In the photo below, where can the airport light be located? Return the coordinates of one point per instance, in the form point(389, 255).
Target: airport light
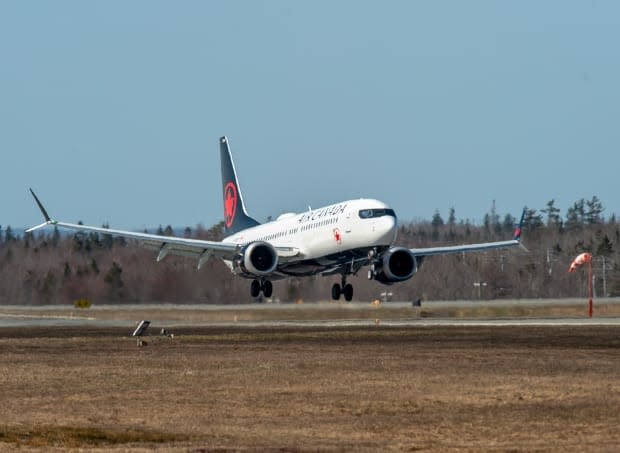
point(479, 285)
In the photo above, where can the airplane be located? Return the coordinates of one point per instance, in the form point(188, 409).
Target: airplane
point(339, 239)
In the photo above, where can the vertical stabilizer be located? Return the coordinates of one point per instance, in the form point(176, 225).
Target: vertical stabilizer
point(236, 217)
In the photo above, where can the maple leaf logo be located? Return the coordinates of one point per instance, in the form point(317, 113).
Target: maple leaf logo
point(230, 203)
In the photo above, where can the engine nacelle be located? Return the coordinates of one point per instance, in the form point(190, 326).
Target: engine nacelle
point(258, 259)
point(396, 265)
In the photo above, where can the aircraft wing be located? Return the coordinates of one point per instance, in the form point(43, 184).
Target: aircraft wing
point(444, 250)
point(194, 248)
point(464, 248)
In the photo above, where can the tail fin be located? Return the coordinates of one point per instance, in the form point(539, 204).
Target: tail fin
point(236, 217)
point(517, 234)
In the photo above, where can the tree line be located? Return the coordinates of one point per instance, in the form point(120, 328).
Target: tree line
point(54, 268)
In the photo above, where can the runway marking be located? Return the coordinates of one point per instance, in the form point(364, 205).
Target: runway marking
point(283, 316)
point(425, 323)
point(71, 317)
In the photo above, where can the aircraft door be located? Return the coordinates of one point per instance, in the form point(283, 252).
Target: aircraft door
point(348, 222)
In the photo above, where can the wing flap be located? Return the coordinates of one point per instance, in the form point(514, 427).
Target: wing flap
point(164, 249)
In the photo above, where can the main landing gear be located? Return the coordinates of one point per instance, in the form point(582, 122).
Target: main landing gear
point(345, 289)
point(261, 285)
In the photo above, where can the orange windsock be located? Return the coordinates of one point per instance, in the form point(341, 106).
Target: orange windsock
point(581, 259)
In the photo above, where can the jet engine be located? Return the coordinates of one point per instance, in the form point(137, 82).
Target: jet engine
point(396, 265)
point(258, 259)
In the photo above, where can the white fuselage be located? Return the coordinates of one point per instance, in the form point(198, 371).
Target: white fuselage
point(326, 232)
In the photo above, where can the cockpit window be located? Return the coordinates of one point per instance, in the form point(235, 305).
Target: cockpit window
point(372, 213)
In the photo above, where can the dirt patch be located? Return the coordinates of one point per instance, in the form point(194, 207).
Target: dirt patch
point(367, 388)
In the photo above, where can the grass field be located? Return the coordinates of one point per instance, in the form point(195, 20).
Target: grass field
point(311, 389)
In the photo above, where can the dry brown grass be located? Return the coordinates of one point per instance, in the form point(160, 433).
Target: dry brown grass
point(47, 436)
point(374, 388)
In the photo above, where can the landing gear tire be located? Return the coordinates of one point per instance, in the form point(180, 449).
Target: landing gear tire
point(255, 288)
point(345, 290)
point(348, 292)
point(267, 288)
point(336, 291)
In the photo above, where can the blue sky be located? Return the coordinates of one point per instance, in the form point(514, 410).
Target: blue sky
point(112, 110)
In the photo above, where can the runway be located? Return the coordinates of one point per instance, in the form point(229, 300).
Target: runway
point(564, 312)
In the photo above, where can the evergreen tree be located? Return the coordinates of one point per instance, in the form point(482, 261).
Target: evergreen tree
point(437, 220)
point(594, 212)
point(107, 240)
point(55, 237)
point(81, 241)
point(509, 223)
point(27, 239)
point(553, 214)
point(216, 232)
point(114, 281)
point(94, 267)
point(452, 217)
point(94, 240)
point(494, 217)
point(8, 256)
point(605, 246)
point(8, 234)
point(48, 287)
point(486, 221)
point(532, 220)
point(575, 214)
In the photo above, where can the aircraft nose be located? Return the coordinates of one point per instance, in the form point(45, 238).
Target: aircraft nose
point(385, 229)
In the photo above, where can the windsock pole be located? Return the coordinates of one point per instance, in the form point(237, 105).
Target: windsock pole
point(581, 259)
point(590, 308)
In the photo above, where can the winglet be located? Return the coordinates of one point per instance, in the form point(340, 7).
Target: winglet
point(48, 220)
point(517, 234)
point(43, 211)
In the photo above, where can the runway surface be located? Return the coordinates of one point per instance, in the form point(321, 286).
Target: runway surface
point(565, 312)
